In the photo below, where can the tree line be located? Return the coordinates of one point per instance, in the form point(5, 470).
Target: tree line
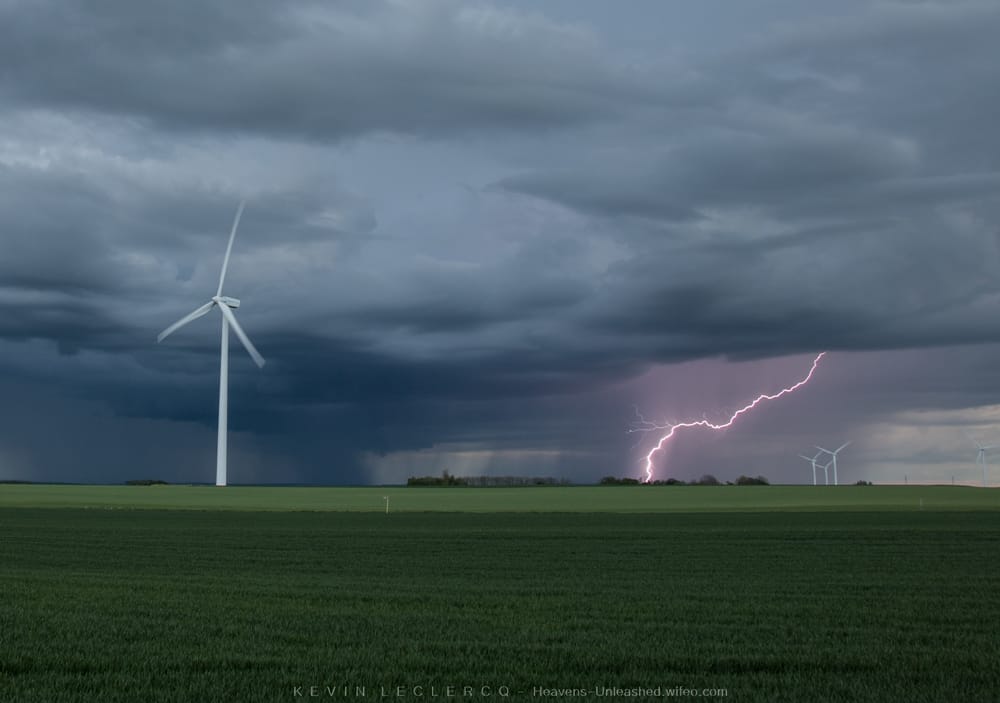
point(446, 479)
point(706, 480)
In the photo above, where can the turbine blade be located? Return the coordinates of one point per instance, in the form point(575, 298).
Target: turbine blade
point(807, 458)
point(972, 439)
point(843, 445)
point(229, 247)
point(822, 450)
point(247, 344)
point(200, 312)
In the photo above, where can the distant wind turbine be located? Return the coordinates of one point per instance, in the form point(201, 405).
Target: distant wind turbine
point(812, 460)
point(981, 455)
point(226, 305)
point(833, 459)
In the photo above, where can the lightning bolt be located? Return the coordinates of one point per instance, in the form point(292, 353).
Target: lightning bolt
point(643, 425)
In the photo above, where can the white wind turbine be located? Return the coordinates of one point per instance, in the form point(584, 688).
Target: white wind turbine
point(812, 460)
point(833, 459)
point(226, 305)
point(981, 455)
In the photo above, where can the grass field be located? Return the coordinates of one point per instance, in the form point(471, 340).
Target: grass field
point(586, 499)
point(796, 605)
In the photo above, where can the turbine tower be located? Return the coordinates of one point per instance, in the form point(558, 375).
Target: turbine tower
point(226, 305)
point(826, 472)
point(833, 459)
point(812, 460)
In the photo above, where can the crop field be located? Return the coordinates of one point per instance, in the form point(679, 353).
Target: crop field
point(580, 499)
point(895, 603)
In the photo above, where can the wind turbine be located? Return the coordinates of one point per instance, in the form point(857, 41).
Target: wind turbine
point(833, 460)
point(812, 460)
point(981, 455)
point(225, 305)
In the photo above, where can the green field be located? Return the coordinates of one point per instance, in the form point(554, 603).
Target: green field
point(585, 499)
point(877, 600)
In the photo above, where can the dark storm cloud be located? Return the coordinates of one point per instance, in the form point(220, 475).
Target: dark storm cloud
point(878, 285)
point(85, 255)
point(734, 170)
point(919, 69)
point(321, 70)
point(474, 300)
point(30, 224)
point(827, 218)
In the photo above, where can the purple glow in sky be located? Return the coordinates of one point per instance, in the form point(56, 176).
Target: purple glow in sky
point(667, 430)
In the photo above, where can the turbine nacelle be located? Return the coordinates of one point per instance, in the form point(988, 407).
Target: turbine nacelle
point(233, 303)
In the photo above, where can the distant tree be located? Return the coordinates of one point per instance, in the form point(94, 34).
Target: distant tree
point(863, 483)
point(145, 482)
point(751, 481)
point(708, 480)
point(445, 479)
point(507, 481)
point(614, 481)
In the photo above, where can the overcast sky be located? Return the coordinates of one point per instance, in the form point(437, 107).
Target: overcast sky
point(480, 235)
